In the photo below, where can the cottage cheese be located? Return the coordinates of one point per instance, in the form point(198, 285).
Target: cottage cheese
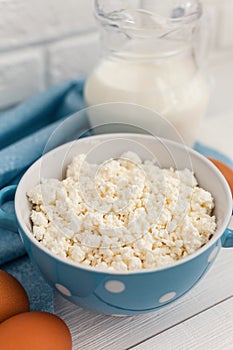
point(122, 215)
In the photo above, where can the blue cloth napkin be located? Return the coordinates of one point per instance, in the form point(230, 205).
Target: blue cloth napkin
point(24, 132)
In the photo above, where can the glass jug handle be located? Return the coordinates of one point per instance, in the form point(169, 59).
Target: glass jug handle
point(202, 45)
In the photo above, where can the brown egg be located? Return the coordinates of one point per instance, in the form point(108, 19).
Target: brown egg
point(13, 298)
point(225, 170)
point(35, 331)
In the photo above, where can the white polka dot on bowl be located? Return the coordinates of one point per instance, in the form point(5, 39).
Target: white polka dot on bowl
point(213, 254)
point(63, 289)
point(166, 297)
point(114, 286)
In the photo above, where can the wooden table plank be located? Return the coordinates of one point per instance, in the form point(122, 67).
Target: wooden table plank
point(99, 332)
point(212, 329)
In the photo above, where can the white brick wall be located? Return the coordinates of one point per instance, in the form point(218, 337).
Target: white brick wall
point(74, 57)
point(21, 75)
point(48, 41)
point(36, 21)
point(42, 43)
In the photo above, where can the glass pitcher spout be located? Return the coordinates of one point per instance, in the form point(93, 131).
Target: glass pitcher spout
point(170, 26)
point(134, 13)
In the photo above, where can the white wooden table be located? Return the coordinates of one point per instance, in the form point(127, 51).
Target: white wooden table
point(201, 320)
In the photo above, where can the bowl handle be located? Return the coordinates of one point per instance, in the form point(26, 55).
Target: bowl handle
point(7, 221)
point(227, 238)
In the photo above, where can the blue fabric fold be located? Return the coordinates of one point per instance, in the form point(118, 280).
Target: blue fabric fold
point(24, 133)
point(39, 293)
point(32, 115)
point(25, 130)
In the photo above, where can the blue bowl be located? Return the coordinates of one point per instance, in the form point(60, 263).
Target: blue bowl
point(122, 293)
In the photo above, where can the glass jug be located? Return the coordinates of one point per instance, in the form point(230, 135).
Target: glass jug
point(150, 58)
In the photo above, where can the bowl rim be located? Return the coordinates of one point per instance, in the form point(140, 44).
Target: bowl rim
point(211, 242)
